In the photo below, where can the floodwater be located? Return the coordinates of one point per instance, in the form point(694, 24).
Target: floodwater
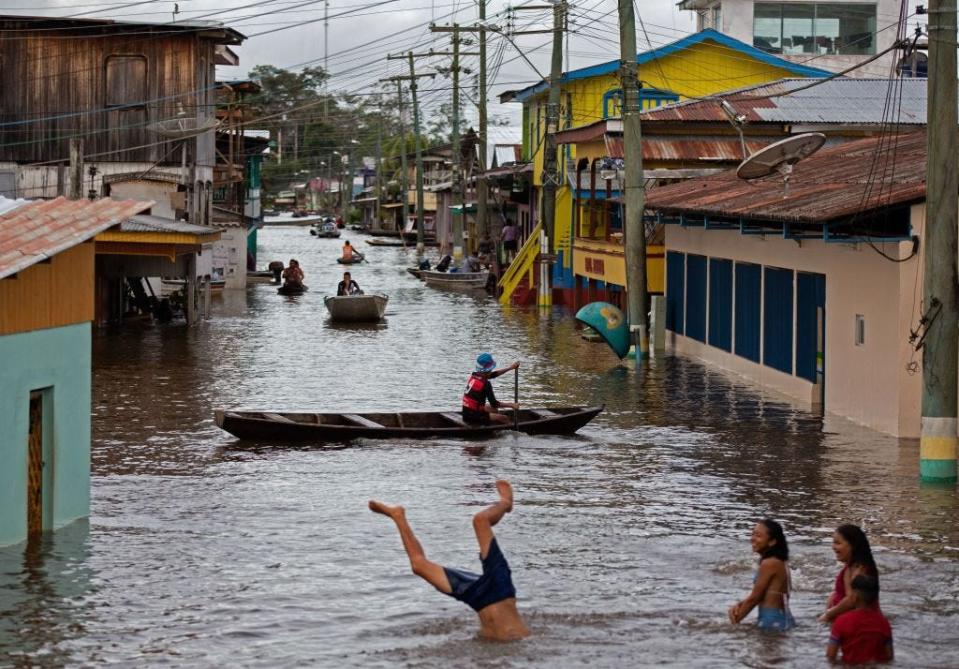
point(627, 543)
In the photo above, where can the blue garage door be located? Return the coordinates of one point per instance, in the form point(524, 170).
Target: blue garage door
point(778, 319)
point(810, 297)
point(675, 290)
point(748, 309)
point(696, 297)
point(721, 303)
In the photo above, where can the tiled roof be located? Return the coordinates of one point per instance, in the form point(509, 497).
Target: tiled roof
point(831, 101)
point(40, 229)
point(849, 178)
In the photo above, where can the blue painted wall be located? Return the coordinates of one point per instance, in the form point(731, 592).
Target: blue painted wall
point(57, 359)
point(675, 290)
point(748, 309)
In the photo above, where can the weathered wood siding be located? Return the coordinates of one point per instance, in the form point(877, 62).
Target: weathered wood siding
point(51, 294)
point(55, 75)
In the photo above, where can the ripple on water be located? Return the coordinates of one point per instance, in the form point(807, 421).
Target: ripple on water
point(627, 544)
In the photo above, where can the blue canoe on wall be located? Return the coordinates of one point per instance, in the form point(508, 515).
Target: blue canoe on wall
point(609, 322)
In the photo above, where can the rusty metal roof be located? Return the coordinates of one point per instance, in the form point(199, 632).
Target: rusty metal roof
point(687, 149)
point(40, 229)
point(848, 101)
point(849, 178)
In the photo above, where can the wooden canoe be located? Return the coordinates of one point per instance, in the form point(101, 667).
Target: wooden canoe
point(281, 426)
point(355, 260)
point(287, 289)
point(356, 308)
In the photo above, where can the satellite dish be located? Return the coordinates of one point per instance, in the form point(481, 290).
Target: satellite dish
point(779, 157)
point(179, 128)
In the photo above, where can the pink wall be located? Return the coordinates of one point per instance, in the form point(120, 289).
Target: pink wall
point(868, 384)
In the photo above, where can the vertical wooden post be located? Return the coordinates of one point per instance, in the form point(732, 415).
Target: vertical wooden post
point(76, 169)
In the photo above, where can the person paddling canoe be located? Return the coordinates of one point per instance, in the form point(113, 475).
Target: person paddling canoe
point(479, 391)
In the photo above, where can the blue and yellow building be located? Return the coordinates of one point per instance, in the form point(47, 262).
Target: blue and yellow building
point(588, 226)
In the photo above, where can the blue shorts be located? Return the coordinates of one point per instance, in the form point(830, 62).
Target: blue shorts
point(775, 620)
point(480, 590)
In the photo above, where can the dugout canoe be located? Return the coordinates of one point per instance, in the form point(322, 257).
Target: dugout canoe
point(281, 426)
point(355, 260)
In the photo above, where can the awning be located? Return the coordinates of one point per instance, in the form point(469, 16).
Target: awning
point(391, 205)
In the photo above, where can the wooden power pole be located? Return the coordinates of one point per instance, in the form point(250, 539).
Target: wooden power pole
point(938, 437)
point(635, 196)
point(76, 169)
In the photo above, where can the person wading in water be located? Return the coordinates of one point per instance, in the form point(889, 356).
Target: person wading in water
point(491, 594)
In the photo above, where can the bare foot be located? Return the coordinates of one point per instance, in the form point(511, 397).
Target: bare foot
point(505, 491)
point(393, 512)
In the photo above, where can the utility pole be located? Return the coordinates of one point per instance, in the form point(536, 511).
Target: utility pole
point(404, 177)
point(551, 174)
point(420, 224)
point(482, 186)
point(458, 184)
point(379, 171)
point(635, 196)
point(76, 169)
point(938, 437)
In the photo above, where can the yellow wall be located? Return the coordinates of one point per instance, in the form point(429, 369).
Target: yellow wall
point(605, 261)
point(697, 70)
point(51, 294)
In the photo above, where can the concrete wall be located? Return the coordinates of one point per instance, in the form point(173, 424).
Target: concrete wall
point(57, 359)
point(868, 384)
point(229, 255)
point(737, 20)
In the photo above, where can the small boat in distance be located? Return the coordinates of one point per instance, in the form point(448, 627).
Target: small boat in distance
point(285, 427)
point(356, 308)
point(385, 242)
point(355, 260)
point(455, 280)
point(292, 289)
point(327, 229)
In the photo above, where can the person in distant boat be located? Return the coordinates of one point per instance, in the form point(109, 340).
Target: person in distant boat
point(485, 249)
point(347, 251)
point(491, 594)
point(348, 286)
point(771, 584)
point(479, 392)
point(472, 264)
point(444, 263)
point(293, 275)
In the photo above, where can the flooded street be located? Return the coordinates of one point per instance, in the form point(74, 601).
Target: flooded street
point(628, 541)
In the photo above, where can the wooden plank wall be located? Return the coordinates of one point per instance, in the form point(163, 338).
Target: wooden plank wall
point(48, 75)
point(49, 294)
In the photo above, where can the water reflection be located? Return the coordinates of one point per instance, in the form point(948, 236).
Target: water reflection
point(628, 541)
point(44, 586)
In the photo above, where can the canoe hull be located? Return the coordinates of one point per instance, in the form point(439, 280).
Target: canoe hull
point(355, 260)
point(288, 427)
point(356, 308)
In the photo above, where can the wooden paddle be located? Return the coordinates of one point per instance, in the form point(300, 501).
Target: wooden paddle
point(516, 398)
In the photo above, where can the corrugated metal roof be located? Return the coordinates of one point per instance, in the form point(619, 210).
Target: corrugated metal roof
point(150, 223)
point(854, 177)
point(687, 149)
point(6, 204)
point(40, 229)
point(833, 101)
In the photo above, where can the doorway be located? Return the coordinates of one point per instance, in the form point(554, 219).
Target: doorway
point(39, 471)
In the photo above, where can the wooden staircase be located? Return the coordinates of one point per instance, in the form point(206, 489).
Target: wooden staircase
point(519, 277)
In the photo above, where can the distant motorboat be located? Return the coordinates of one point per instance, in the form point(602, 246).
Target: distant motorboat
point(455, 280)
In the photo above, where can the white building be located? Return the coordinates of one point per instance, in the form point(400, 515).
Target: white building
point(828, 35)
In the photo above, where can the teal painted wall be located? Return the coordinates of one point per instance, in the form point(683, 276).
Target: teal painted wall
point(57, 359)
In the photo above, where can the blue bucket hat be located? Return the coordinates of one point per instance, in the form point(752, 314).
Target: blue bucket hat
point(485, 363)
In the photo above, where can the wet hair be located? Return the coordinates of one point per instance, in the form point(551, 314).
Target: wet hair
point(780, 549)
point(867, 587)
point(346, 243)
point(861, 552)
point(347, 274)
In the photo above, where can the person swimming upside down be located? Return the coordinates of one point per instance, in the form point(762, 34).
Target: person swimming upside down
point(491, 594)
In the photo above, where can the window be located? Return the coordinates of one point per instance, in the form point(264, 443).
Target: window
point(126, 81)
point(860, 330)
point(815, 28)
point(718, 17)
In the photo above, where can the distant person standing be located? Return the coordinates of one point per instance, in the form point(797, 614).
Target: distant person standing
point(508, 237)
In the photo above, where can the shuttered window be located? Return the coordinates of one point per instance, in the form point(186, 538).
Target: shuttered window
point(675, 290)
point(696, 297)
point(126, 81)
point(721, 303)
point(778, 319)
point(810, 297)
point(748, 308)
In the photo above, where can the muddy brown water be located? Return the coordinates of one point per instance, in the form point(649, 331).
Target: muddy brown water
point(628, 541)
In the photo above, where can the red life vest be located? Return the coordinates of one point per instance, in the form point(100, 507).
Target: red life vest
point(474, 399)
